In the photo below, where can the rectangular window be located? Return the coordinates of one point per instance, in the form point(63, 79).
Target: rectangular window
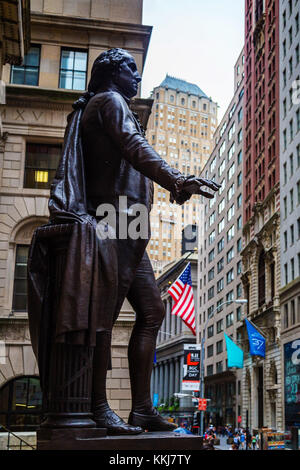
point(239, 291)
point(239, 314)
point(219, 367)
point(239, 267)
point(210, 350)
point(221, 225)
point(239, 201)
point(220, 285)
point(210, 331)
point(230, 276)
point(41, 162)
point(220, 265)
point(240, 156)
point(239, 245)
point(221, 245)
point(219, 347)
point(230, 234)
point(210, 370)
point(229, 320)
point(28, 73)
point(211, 255)
point(20, 279)
point(219, 305)
point(211, 274)
point(230, 255)
point(220, 326)
point(73, 67)
point(239, 222)
point(231, 151)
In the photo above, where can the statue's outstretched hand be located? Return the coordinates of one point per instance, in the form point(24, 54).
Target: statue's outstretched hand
point(187, 186)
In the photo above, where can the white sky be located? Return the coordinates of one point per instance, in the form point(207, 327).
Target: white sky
point(196, 40)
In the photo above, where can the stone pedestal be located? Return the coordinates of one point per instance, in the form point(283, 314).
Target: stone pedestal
point(95, 439)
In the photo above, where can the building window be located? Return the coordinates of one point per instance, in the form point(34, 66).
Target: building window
point(239, 267)
point(73, 65)
point(239, 314)
point(229, 320)
point(21, 404)
point(210, 350)
point(239, 245)
point(210, 370)
point(28, 73)
point(219, 347)
point(239, 291)
point(40, 165)
point(230, 276)
point(219, 367)
point(20, 279)
point(220, 285)
point(261, 279)
point(220, 265)
point(220, 326)
point(221, 244)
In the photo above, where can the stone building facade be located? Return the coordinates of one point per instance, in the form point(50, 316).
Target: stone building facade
point(289, 13)
point(66, 37)
point(220, 260)
point(262, 378)
point(180, 129)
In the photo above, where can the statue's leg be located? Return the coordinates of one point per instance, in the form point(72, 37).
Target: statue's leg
point(103, 415)
point(145, 299)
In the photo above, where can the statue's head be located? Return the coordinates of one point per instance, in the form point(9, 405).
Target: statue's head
point(115, 66)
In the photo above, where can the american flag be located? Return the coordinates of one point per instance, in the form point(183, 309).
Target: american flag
point(182, 292)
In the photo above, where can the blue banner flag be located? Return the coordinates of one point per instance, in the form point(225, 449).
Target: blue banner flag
point(155, 399)
point(235, 355)
point(256, 340)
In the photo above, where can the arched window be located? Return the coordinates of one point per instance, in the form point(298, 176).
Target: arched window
point(261, 279)
point(21, 404)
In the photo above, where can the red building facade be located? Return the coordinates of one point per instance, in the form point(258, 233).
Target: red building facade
point(261, 142)
point(261, 210)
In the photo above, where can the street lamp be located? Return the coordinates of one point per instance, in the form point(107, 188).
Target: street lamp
point(237, 301)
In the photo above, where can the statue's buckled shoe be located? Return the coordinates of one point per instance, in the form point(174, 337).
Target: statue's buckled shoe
point(151, 422)
point(114, 424)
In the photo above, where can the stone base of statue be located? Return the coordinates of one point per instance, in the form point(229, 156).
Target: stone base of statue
point(95, 439)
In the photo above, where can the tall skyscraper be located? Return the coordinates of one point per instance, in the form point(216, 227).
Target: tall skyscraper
point(261, 199)
point(289, 12)
point(220, 260)
point(180, 129)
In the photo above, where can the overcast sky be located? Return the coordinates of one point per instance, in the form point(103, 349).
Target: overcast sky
point(196, 40)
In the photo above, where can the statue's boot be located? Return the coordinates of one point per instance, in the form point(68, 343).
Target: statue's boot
point(140, 354)
point(104, 416)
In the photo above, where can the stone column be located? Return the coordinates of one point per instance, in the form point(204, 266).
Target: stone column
point(181, 371)
point(166, 380)
point(171, 381)
point(161, 382)
point(168, 321)
point(177, 376)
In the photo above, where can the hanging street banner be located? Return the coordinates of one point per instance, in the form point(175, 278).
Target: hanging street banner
point(235, 355)
point(191, 367)
point(257, 342)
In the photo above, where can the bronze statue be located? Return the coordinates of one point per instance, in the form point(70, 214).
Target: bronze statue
point(105, 157)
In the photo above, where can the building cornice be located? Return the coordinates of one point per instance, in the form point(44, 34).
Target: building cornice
point(94, 25)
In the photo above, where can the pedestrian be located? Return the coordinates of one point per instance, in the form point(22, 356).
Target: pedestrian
point(254, 442)
point(242, 440)
point(248, 439)
point(236, 441)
